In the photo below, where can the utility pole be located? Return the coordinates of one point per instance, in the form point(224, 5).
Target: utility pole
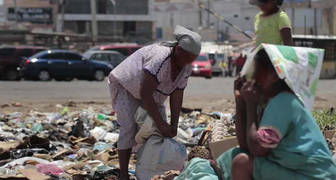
point(94, 26)
point(208, 20)
point(293, 19)
point(15, 15)
point(200, 16)
point(61, 5)
point(315, 17)
point(305, 25)
point(315, 22)
point(115, 22)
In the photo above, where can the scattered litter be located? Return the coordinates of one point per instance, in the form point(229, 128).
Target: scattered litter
point(49, 169)
point(76, 145)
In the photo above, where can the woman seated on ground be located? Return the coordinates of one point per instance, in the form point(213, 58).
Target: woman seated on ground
point(280, 141)
point(278, 137)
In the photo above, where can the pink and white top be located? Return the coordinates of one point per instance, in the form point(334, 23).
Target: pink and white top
point(156, 60)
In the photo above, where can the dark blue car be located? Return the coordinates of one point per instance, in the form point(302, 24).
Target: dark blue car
point(64, 65)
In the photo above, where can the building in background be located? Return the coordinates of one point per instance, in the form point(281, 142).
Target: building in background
point(169, 13)
point(126, 20)
point(30, 15)
point(316, 17)
point(312, 17)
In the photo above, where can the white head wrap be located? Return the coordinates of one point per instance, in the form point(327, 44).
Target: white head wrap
point(186, 39)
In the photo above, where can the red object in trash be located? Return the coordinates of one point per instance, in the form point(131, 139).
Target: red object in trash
point(49, 169)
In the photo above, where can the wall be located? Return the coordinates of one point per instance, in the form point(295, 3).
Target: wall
point(170, 13)
point(123, 7)
point(239, 12)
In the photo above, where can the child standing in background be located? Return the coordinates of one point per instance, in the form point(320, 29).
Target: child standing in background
point(272, 25)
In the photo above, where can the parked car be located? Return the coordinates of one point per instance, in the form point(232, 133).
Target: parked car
point(112, 57)
point(124, 49)
point(202, 66)
point(64, 65)
point(11, 58)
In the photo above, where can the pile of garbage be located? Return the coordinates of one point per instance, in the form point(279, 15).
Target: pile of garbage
point(81, 144)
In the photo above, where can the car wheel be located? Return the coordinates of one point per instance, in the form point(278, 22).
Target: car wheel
point(12, 75)
point(208, 77)
point(99, 75)
point(44, 75)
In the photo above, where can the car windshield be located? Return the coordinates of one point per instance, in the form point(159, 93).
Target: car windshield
point(202, 58)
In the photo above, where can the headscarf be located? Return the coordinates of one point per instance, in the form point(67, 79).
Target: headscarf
point(188, 40)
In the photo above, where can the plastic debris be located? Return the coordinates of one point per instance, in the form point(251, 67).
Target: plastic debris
point(49, 169)
point(37, 127)
point(72, 145)
point(100, 146)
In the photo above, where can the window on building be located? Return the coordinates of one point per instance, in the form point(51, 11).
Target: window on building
point(77, 7)
point(129, 28)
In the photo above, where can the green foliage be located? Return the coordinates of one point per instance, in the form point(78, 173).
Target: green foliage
point(325, 119)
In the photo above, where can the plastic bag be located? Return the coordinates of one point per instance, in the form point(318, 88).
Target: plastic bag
point(159, 155)
point(99, 133)
point(299, 67)
point(49, 169)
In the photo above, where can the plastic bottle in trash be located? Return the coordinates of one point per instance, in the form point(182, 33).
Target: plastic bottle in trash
point(84, 117)
point(102, 117)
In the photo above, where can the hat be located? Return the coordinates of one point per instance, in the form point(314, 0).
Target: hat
point(188, 40)
point(299, 67)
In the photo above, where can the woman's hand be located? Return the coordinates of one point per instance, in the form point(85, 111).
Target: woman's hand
point(167, 130)
point(148, 87)
point(250, 93)
point(238, 84)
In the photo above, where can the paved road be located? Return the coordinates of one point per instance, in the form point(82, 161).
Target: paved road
point(91, 90)
point(199, 91)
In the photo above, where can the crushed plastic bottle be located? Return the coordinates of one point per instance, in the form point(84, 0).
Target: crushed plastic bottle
point(37, 127)
point(84, 117)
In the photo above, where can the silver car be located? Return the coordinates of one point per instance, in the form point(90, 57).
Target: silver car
point(112, 57)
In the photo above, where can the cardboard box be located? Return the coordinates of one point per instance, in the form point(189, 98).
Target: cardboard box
point(219, 147)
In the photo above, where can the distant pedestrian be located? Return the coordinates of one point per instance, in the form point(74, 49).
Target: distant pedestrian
point(272, 25)
point(230, 66)
point(240, 61)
